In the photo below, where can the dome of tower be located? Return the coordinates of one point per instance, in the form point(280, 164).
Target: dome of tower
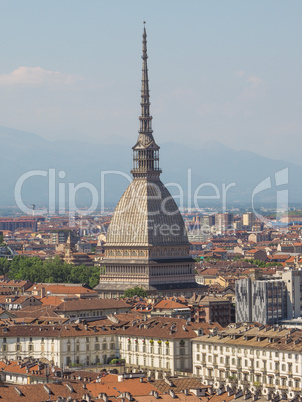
point(146, 215)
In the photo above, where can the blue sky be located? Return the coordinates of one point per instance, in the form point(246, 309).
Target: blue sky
point(227, 71)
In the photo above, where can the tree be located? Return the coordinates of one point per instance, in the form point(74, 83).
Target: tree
point(49, 271)
point(137, 291)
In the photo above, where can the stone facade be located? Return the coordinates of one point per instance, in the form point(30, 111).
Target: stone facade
point(147, 243)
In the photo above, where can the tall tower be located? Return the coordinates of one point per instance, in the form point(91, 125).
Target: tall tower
point(147, 243)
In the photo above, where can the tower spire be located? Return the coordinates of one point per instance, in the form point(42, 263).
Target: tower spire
point(145, 118)
point(145, 151)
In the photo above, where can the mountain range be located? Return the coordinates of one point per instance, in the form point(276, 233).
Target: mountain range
point(212, 163)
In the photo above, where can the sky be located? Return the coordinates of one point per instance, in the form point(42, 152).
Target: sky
point(223, 71)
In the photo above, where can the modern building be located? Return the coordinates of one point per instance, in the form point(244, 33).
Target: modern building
point(248, 220)
point(147, 243)
point(15, 223)
point(224, 223)
point(268, 301)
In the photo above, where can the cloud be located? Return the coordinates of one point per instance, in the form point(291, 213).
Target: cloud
point(255, 81)
point(252, 79)
point(36, 76)
point(239, 73)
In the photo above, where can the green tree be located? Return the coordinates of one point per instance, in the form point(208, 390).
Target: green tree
point(137, 291)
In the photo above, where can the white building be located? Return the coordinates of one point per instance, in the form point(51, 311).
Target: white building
point(158, 345)
point(250, 357)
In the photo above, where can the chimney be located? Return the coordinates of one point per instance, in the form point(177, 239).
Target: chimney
point(43, 292)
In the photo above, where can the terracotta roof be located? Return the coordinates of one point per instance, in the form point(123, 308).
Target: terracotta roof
point(168, 304)
point(91, 304)
point(52, 300)
point(61, 289)
point(110, 385)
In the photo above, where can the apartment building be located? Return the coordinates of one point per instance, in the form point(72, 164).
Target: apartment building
point(257, 358)
point(157, 345)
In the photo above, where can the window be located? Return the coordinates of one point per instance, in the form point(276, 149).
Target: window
point(97, 346)
point(197, 357)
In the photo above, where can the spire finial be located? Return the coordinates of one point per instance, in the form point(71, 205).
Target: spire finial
point(146, 151)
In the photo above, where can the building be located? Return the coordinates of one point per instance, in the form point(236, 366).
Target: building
point(171, 308)
point(216, 309)
point(91, 308)
point(157, 346)
point(248, 220)
point(224, 223)
point(13, 224)
point(147, 243)
point(255, 358)
point(268, 301)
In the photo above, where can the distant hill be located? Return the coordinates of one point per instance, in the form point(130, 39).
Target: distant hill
point(84, 162)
